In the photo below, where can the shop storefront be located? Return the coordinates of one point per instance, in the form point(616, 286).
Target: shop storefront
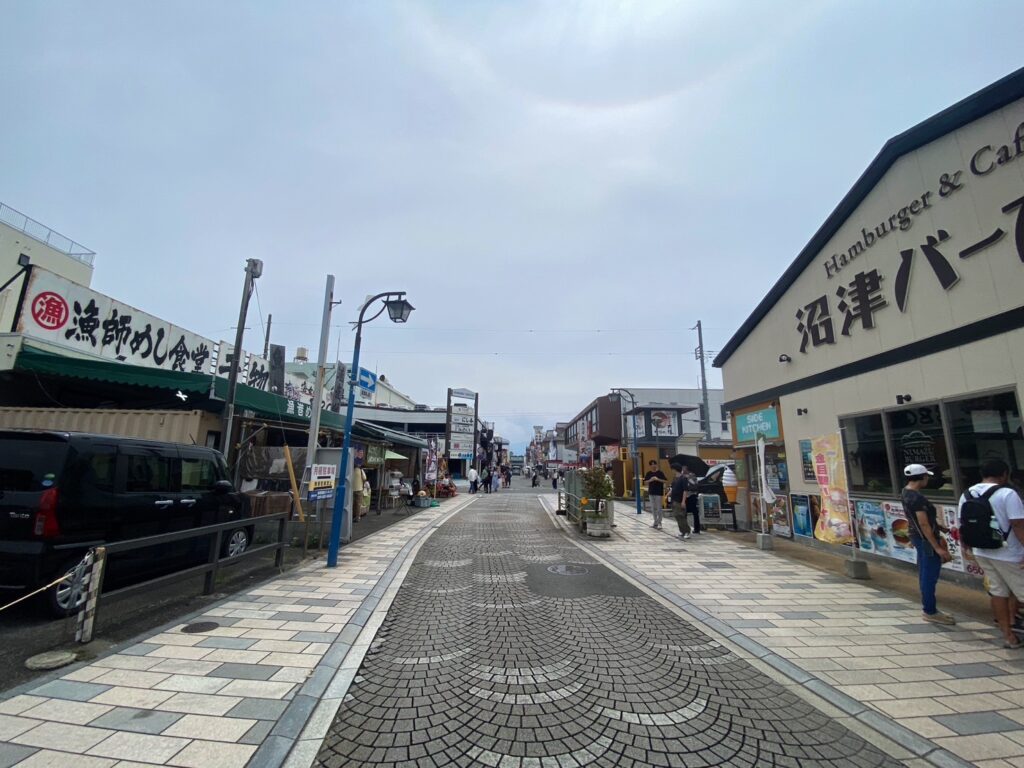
point(895, 337)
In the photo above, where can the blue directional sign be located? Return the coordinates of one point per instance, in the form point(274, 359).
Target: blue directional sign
point(367, 380)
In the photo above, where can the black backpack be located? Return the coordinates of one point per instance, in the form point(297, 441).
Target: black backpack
point(979, 526)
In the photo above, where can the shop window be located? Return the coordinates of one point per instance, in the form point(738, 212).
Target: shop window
point(983, 428)
point(867, 461)
point(917, 438)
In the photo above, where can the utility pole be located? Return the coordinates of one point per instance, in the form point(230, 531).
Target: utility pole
point(703, 382)
point(266, 338)
point(253, 269)
point(318, 386)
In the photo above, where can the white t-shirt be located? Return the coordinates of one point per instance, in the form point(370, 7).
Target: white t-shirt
point(1007, 506)
point(472, 475)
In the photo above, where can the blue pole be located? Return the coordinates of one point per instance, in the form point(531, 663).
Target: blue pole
point(346, 445)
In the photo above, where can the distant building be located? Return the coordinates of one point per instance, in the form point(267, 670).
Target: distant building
point(45, 248)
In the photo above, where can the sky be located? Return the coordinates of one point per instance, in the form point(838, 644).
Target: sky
point(563, 188)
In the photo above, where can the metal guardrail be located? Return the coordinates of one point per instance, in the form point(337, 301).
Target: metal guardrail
point(45, 235)
point(209, 569)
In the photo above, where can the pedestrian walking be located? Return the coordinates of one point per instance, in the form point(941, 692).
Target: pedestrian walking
point(535, 482)
point(1000, 554)
point(693, 500)
point(474, 478)
point(485, 479)
point(554, 482)
point(495, 480)
point(925, 533)
point(677, 494)
point(654, 481)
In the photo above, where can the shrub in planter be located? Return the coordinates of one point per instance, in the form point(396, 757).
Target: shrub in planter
point(597, 486)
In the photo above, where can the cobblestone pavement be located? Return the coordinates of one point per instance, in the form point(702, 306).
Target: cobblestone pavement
point(507, 645)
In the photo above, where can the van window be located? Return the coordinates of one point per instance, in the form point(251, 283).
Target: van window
point(197, 474)
point(100, 471)
point(148, 473)
point(30, 465)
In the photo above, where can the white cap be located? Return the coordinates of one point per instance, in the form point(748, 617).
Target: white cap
point(912, 470)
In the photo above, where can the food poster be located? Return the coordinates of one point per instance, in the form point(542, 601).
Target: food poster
point(757, 519)
point(815, 502)
point(963, 558)
point(898, 529)
point(872, 535)
point(834, 525)
point(781, 518)
point(801, 506)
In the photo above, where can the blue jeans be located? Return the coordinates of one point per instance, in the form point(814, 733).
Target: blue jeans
point(928, 566)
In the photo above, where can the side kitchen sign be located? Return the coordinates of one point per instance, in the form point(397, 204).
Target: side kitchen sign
point(69, 315)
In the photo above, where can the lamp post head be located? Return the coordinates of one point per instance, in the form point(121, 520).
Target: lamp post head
point(399, 309)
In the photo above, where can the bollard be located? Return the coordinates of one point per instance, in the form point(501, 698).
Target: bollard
point(95, 561)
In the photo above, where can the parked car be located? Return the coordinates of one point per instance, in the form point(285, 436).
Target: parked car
point(64, 492)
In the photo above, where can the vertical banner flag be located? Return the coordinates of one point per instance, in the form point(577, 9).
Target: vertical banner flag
point(834, 524)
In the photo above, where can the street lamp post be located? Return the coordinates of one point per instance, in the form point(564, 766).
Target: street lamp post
point(636, 454)
point(398, 310)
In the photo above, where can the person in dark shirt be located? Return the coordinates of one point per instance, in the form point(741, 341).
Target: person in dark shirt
point(925, 530)
point(655, 482)
point(679, 491)
point(692, 500)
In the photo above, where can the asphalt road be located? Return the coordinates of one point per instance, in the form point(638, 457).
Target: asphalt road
point(26, 629)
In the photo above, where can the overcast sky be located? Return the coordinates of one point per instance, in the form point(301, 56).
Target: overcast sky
point(564, 188)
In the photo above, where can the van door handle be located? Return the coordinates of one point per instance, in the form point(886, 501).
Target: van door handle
point(187, 502)
point(163, 503)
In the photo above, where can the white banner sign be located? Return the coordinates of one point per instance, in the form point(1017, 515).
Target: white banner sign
point(464, 429)
point(69, 315)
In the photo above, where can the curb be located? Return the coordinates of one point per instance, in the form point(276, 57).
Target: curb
point(920, 746)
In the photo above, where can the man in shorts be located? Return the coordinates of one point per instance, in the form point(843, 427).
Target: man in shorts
point(1003, 567)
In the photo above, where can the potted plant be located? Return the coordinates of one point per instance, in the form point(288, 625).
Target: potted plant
point(597, 494)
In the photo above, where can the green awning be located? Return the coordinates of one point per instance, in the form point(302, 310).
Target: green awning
point(39, 361)
point(391, 455)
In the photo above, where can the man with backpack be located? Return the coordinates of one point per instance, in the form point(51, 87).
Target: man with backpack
point(932, 551)
point(992, 524)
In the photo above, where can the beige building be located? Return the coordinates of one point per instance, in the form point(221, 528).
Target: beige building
point(46, 248)
point(897, 330)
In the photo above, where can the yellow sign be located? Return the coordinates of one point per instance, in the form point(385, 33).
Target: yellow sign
point(834, 524)
point(322, 476)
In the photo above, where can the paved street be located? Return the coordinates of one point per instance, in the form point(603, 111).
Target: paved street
point(467, 634)
point(508, 645)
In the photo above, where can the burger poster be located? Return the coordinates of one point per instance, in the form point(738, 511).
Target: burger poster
point(898, 529)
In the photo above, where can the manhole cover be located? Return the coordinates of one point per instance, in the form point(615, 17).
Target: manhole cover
point(568, 570)
point(50, 660)
point(199, 626)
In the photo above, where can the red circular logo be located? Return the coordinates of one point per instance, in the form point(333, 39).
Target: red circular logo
point(50, 310)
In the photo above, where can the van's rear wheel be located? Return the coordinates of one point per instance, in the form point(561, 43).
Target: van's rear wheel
point(67, 596)
point(236, 543)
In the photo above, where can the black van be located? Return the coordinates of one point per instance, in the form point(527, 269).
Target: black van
point(64, 492)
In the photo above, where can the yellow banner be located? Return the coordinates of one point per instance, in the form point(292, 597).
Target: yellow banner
point(834, 524)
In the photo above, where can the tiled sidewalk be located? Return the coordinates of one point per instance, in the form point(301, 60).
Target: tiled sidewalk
point(214, 699)
point(956, 686)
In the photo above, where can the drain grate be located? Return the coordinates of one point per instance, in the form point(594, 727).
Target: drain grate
point(568, 570)
point(199, 626)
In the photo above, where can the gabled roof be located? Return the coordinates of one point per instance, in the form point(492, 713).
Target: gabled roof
point(989, 99)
